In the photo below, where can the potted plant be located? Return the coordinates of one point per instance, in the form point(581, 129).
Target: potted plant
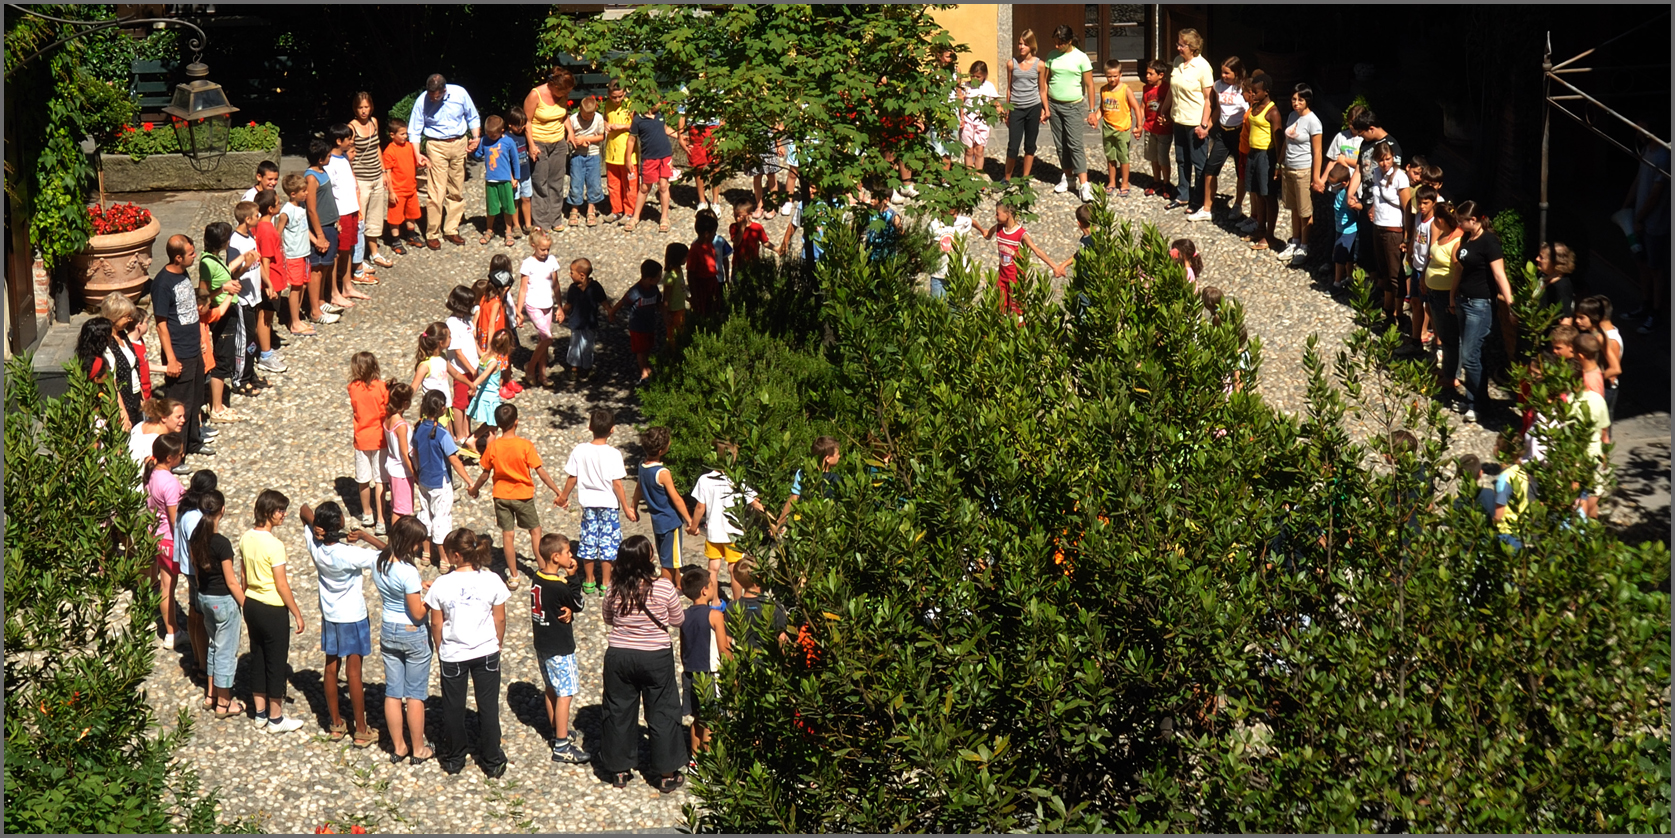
point(147, 158)
point(117, 259)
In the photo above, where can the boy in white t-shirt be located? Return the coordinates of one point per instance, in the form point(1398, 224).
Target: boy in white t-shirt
point(345, 630)
point(250, 296)
point(596, 471)
point(946, 234)
point(716, 496)
point(462, 360)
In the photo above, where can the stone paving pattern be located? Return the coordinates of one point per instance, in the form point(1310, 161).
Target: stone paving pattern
point(298, 440)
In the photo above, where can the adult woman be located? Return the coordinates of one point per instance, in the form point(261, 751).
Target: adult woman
point(1231, 108)
point(370, 181)
point(1069, 84)
point(267, 598)
point(639, 663)
point(1193, 96)
point(93, 350)
point(1481, 280)
point(162, 416)
point(1442, 272)
point(1388, 199)
point(402, 640)
point(127, 356)
point(549, 149)
point(1026, 77)
point(221, 597)
point(467, 626)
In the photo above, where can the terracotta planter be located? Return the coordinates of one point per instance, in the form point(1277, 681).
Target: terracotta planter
point(119, 263)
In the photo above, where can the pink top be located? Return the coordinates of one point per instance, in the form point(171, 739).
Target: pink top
point(1009, 242)
point(161, 492)
point(635, 630)
point(1594, 380)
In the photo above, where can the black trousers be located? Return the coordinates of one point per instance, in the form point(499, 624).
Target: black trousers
point(630, 675)
point(188, 389)
point(484, 673)
point(269, 627)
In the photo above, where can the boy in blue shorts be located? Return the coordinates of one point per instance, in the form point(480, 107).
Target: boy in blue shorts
point(596, 471)
point(555, 600)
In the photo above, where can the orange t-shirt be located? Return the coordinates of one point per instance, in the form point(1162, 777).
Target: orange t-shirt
point(368, 401)
point(491, 318)
point(513, 461)
point(402, 161)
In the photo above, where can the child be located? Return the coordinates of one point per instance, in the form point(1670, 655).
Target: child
point(1185, 254)
point(1345, 147)
point(1262, 166)
point(596, 471)
point(1084, 224)
point(485, 397)
point(1159, 127)
point(826, 452)
point(210, 555)
point(468, 627)
point(1344, 225)
point(674, 287)
point(348, 196)
point(490, 316)
point(978, 95)
point(747, 234)
point(946, 234)
point(1227, 136)
point(403, 642)
point(433, 451)
point(323, 219)
point(1300, 169)
point(1555, 262)
point(555, 599)
point(512, 461)
point(462, 356)
point(216, 275)
point(716, 496)
point(1586, 348)
point(1563, 340)
point(752, 605)
point(703, 645)
point(656, 485)
point(1120, 110)
point(267, 177)
point(621, 162)
point(1418, 256)
point(535, 302)
point(581, 313)
point(697, 138)
point(267, 596)
point(162, 497)
point(517, 127)
point(398, 457)
point(1593, 314)
point(1011, 236)
point(401, 166)
point(649, 136)
point(293, 225)
point(370, 400)
point(345, 630)
point(885, 229)
point(587, 140)
point(372, 185)
point(645, 302)
point(431, 371)
point(274, 282)
point(252, 295)
point(500, 179)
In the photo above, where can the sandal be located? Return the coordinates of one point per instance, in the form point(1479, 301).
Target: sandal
point(338, 730)
point(1259, 245)
point(415, 759)
point(508, 242)
point(368, 278)
point(620, 779)
point(484, 241)
point(233, 709)
point(630, 226)
point(1122, 193)
point(671, 784)
point(365, 740)
point(398, 248)
point(663, 228)
point(592, 220)
point(383, 261)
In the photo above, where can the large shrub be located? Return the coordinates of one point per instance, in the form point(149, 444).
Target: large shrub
point(82, 750)
point(1079, 582)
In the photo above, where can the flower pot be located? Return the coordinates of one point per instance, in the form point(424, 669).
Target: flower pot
point(119, 263)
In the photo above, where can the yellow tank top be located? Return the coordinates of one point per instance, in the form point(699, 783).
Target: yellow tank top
point(546, 124)
point(1439, 271)
point(1261, 133)
point(1114, 105)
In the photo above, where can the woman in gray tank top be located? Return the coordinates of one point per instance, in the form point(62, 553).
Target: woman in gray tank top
point(368, 167)
point(1026, 75)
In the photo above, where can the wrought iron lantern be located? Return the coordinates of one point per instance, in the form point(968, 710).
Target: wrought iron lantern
point(201, 118)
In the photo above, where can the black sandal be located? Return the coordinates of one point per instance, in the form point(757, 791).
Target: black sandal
point(671, 783)
point(620, 779)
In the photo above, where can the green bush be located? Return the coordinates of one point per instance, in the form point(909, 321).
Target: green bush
point(82, 754)
point(159, 138)
point(1509, 226)
point(1078, 583)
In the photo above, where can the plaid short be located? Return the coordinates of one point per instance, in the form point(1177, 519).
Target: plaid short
point(559, 671)
point(601, 534)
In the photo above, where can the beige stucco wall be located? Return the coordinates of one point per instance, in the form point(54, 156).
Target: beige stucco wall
point(975, 25)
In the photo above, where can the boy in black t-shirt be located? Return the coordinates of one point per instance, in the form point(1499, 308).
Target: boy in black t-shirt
point(554, 601)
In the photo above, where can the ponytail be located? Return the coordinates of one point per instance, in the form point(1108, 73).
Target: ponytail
point(1470, 209)
point(166, 447)
point(210, 506)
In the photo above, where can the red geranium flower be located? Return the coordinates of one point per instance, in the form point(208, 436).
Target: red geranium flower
point(148, 126)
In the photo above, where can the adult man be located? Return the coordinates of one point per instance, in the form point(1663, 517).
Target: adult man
point(175, 297)
point(446, 125)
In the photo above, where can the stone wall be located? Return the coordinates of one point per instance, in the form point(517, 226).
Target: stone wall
point(174, 173)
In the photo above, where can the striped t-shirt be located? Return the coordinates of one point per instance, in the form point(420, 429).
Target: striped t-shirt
point(635, 630)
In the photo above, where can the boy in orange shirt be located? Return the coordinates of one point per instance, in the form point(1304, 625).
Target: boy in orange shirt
point(401, 183)
point(513, 462)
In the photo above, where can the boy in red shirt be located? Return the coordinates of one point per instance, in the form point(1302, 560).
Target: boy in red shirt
point(512, 461)
point(1159, 131)
point(748, 234)
point(274, 283)
point(703, 277)
point(401, 183)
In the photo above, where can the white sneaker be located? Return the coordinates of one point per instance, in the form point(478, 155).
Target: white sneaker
point(1300, 253)
point(1470, 416)
point(1085, 193)
point(261, 722)
point(786, 208)
point(1286, 254)
point(331, 308)
point(674, 175)
point(910, 190)
point(285, 725)
point(168, 641)
point(1200, 215)
point(897, 198)
point(702, 205)
point(1064, 184)
point(366, 520)
point(327, 317)
point(273, 363)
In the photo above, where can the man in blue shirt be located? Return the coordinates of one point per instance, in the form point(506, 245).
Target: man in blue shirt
point(446, 125)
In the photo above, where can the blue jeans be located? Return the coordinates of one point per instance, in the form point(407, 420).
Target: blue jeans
point(360, 242)
point(1476, 318)
point(1190, 153)
point(221, 619)
point(407, 658)
point(584, 172)
point(938, 289)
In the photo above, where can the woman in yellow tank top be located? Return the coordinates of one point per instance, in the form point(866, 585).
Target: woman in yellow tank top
point(1441, 272)
point(546, 106)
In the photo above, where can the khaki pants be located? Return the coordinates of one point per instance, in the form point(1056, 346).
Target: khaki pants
point(374, 206)
point(445, 188)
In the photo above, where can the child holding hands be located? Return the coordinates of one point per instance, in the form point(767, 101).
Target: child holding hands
point(596, 468)
point(369, 398)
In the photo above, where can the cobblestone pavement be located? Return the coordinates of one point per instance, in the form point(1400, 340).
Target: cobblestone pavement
point(297, 440)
